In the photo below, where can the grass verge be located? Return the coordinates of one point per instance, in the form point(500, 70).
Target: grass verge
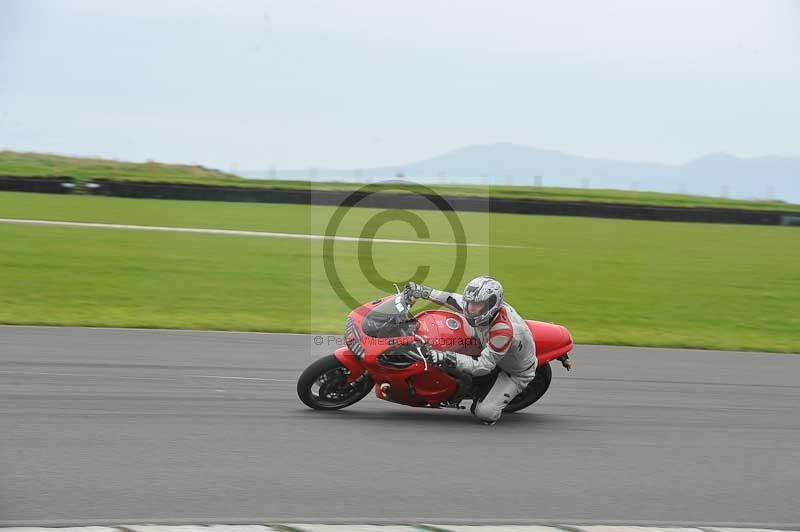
point(609, 281)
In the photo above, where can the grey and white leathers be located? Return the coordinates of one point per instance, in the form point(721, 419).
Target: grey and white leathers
point(506, 341)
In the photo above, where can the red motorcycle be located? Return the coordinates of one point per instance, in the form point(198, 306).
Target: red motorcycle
point(385, 349)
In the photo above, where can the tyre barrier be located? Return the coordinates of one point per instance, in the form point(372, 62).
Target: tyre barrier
point(47, 185)
point(384, 200)
point(390, 200)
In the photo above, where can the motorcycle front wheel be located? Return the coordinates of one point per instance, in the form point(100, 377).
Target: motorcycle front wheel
point(323, 385)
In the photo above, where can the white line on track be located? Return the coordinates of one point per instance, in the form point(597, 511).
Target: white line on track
point(232, 232)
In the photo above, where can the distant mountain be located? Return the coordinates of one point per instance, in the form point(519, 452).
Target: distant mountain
point(716, 174)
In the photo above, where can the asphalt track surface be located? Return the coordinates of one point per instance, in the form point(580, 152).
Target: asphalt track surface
point(167, 426)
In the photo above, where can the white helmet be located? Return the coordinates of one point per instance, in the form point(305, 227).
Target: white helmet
point(483, 297)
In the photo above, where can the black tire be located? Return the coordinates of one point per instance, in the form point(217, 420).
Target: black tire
point(534, 391)
point(335, 383)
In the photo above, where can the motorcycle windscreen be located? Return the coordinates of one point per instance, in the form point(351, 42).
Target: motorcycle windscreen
point(389, 319)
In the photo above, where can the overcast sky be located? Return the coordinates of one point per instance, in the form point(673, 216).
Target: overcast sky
point(252, 83)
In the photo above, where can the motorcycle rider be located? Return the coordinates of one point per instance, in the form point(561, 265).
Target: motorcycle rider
point(506, 340)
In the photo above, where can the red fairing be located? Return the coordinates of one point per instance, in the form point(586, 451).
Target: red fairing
point(552, 341)
point(413, 382)
point(448, 331)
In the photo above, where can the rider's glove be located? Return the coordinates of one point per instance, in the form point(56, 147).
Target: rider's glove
point(414, 291)
point(440, 358)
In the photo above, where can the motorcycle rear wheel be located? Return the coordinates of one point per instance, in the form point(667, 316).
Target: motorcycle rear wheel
point(323, 385)
point(534, 391)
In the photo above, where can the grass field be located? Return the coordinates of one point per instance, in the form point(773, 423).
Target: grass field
point(609, 281)
point(38, 164)
point(83, 168)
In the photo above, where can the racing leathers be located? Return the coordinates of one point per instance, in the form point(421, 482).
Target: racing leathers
point(507, 343)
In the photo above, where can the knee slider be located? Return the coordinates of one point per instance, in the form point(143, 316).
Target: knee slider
point(485, 412)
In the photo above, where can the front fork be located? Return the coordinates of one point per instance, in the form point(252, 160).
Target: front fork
point(353, 364)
